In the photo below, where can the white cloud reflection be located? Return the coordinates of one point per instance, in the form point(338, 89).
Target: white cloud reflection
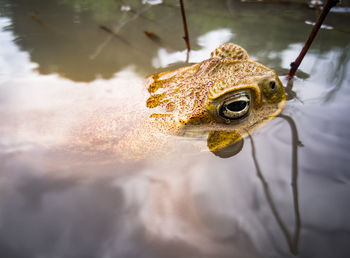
point(13, 62)
point(208, 42)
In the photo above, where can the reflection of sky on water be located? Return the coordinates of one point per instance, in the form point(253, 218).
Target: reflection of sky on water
point(13, 63)
point(327, 73)
point(207, 42)
point(183, 205)
point(29, 99)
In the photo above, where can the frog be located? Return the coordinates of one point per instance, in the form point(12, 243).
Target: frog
point(225, 97)
point(207, 106)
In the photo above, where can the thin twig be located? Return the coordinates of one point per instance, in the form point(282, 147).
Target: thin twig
point(295, 65)
point(186, 37)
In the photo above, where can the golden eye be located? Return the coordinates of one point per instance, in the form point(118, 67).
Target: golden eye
point(235, 107)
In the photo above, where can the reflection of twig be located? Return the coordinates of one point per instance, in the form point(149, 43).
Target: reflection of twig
point(101, 46)
point(295, 65)
point(114, 32)
point(108, 30)
point(295, 144)
point(186, 37)
point(292, 242)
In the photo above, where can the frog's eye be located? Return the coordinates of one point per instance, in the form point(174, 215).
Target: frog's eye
point(272, 85)
point(235, 107)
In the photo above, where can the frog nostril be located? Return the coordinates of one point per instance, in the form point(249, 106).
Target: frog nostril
point(272, 85)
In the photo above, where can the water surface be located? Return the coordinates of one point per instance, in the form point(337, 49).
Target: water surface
point(78, 66)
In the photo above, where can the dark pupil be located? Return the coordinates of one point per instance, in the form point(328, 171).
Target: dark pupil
point(237, 105)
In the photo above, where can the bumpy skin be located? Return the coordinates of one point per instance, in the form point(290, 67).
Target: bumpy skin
point(187, 100)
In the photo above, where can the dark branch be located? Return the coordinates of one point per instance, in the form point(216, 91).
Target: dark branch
point(295, 65)
point(186, 37)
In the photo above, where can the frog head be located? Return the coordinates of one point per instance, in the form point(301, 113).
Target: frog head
point(226, 96)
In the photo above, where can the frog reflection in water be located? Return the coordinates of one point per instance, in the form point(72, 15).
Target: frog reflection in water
point(226, 96)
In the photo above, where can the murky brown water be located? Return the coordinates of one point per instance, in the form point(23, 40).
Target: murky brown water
point(63, 71)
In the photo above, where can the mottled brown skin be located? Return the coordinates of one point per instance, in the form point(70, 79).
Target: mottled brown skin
point(190, 100)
